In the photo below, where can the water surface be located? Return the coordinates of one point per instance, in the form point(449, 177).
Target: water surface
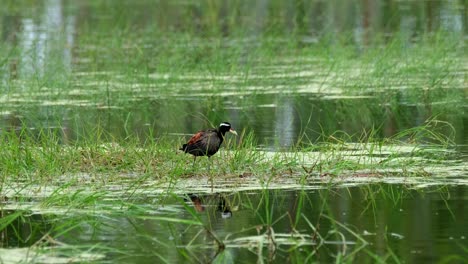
point(390, 220)
point(281, 70)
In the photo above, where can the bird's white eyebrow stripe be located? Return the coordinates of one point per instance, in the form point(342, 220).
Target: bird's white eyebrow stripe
point(225, 124)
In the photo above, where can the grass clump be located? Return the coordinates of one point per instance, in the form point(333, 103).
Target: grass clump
point(37, 155)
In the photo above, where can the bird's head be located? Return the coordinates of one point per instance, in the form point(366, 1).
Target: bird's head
point(226, 127)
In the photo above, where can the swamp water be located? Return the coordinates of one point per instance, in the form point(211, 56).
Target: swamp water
point(347, 220)
point(293, 73)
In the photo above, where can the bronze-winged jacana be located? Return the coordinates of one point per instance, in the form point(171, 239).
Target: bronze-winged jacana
point(207, 142)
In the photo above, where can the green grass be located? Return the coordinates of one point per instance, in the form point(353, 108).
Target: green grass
point(40, 155)
point(118, 91)
point(93, 180)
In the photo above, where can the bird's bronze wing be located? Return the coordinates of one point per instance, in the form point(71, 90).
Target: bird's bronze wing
point(203, 143)
point(195, 138)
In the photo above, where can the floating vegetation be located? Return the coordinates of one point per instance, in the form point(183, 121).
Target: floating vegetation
point(44, 254)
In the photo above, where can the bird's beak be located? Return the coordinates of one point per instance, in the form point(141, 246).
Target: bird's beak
point(233, 131)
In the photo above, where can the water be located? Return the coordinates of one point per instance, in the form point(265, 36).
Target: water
point(289, 72)
point(425, 225)
point(133, 68)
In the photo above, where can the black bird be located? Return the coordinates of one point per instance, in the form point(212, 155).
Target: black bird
point(207, 142)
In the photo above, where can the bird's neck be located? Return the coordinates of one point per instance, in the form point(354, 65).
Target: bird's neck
point(221, 134)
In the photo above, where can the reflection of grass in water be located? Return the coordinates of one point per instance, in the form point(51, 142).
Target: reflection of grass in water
point(310, 228)
point(308, 242)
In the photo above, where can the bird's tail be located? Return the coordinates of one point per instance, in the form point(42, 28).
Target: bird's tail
point(183, 147)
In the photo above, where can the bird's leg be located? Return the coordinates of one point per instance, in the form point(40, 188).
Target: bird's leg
point(211, 176)
point(194, 159)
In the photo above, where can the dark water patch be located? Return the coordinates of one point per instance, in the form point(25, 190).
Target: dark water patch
point(22, 228)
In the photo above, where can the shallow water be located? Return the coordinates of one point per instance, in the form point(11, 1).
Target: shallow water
point(134, 69)
point(391, 220)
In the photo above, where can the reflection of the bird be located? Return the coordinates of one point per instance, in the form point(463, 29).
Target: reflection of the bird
point(200, 202)
point(26, 229)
